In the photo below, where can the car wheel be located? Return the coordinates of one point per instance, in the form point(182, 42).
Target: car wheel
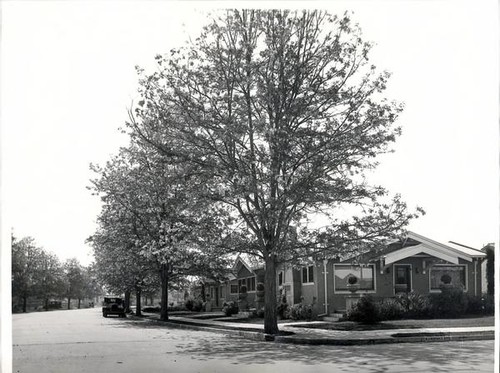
point(105, 314)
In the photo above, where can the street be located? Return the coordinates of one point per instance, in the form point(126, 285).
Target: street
point(84, 341)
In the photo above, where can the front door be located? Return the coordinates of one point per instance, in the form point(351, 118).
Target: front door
point(402, 278)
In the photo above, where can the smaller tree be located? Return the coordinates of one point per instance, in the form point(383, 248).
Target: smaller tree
point(490, 268)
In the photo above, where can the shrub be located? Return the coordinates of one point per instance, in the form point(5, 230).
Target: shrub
point(451, 302)
point(300, 312)
point(177, 308)
point(352, 280)
point(151, 309)
point(480, 305)
point(390, 309)
point(413, 304)
point(282, 310)
point(230, 308)
point(188, 303)
point(365, 311)
point(198, 305)
point(260, 286)
point(195, 305)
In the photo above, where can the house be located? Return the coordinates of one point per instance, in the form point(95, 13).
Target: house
point(415, 263)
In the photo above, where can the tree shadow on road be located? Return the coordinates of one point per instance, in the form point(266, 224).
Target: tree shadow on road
point(246, 351)
point(465, 356)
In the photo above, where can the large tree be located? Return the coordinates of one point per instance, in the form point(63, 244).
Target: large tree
point(282, 114)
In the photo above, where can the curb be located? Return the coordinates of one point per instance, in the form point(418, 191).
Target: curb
point(410, 337)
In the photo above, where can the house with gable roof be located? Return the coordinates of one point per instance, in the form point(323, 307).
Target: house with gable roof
point(415, 263)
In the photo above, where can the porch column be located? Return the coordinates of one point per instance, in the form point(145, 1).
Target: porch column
point(325, 273)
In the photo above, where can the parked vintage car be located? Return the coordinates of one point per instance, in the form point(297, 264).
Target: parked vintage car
point(113, 306)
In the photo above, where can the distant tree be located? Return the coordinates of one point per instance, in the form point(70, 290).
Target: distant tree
point(75, 281)
point(280, 113)
point(50, 282)
point(25, 267)
point(92, 287)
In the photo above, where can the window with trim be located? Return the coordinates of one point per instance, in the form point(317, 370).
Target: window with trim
point(280, 278)
point(365, 275)
point(448, 274)
point(234, 289)
point(308, 274)
point(251, 284)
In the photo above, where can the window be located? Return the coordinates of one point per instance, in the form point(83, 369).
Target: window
point(365, 275)
point(280, 278)
point(234, 289)
point(251, 284)
point(456, 274)
point(242, 282)
point(307, 274)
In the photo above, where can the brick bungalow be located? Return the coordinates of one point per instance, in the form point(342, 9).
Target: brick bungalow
point(415, 264)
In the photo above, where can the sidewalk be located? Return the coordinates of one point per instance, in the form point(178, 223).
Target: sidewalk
point(293, 333)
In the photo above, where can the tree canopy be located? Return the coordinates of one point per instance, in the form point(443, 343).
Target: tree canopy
point(152, 228)
point(281, 114)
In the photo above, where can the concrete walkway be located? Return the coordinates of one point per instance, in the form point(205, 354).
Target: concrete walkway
point(294, 333)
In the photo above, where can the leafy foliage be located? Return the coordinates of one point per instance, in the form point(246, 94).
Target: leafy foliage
point(490, 269)
point(414, 304)
point(390, 309)
point(230, 308)
point(37, 273)
point(152, 229)
point(365, 311)
point(280, 114)
point(451, 302)
point(301, 312)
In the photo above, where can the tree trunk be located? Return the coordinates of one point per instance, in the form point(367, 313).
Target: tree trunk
point(138, 302)
point(46, 304)
point(270, 315)
point(25, 300)
point(164, 293)
point(127, 301)
point(79, 301)
point(69, 303)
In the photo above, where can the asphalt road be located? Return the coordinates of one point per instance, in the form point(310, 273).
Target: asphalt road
point(84, 341)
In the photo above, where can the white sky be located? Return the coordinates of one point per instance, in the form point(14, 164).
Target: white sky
point(68, 77)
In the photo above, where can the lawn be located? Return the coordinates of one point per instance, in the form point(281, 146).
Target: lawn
point(405, 324)
point(393, 324)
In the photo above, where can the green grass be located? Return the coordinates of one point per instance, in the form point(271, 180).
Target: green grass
point(405, 324)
